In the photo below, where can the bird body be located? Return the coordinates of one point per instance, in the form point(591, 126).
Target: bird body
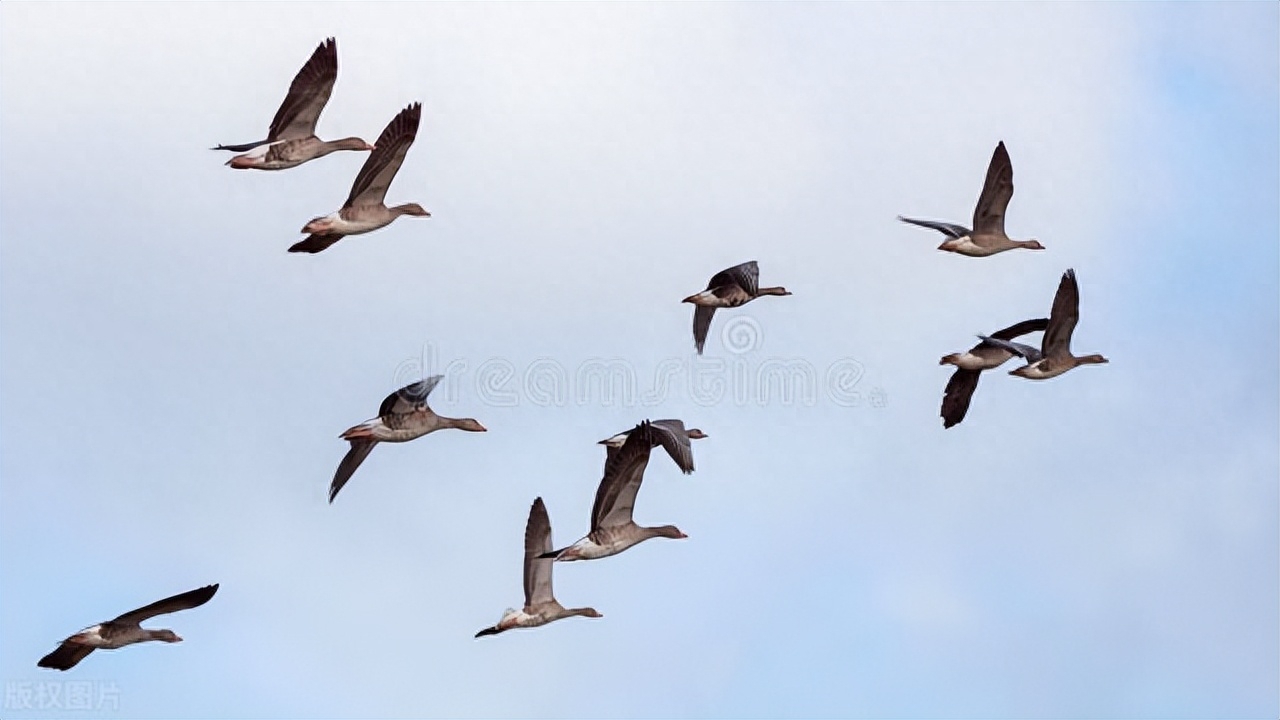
point(970, 364)
point(1054, 356)
point(729, 288)
point(291, 140)
point(124, 630)
point(670, 434)
point(403, 416)
point(612, 528)
point(540, 605)
point(987, 236)
point(365, 210)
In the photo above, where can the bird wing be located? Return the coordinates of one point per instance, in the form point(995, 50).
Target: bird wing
point(1022, 328)
point(360, 450)
point(616, 496)
point(66, 656)
point(307, 95)
point(315, 243)
point(955, 399)
point(1063, 316)
point(410, 398)
point(370, 187)
point(701, 325)
point(951, 230)
point(537, 541)
point(988, 214)
point(181, 601)
point(673, 437)
point(745, 276)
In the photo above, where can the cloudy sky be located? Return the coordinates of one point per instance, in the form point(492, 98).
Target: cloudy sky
point(172, 382)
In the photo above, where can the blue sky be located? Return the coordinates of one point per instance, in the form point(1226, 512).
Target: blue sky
point(173, 382)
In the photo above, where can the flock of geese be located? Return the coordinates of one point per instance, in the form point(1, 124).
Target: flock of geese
point(405, 415)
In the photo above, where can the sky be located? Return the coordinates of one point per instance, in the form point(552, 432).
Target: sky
point(173, 383)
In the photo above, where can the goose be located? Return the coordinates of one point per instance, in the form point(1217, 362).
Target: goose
point(125, 630)
point(612, 529)
point(292, 140)
point(987, 236)
point(1054, 356)
point(728, 288)
point(364, 210)
point(540, 606)
point(970, 364)
point(668, 433)
point(403, 416)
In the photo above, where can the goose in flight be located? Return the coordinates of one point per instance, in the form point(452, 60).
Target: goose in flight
point(540, 606)
point(970, 364)
point(124, 630)
point(1054, 356)
point(403, 416)
point(612, 529)
point(292, 140)
point(668, 433)
point(364, 210)
point(729, 288)
point(987, 236)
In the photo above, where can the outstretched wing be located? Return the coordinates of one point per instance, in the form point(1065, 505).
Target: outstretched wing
point(673, 437)
point(745, 276)
point(315, 243)
point(701, 325)
point(616, 496)
point(988, 214)
point(537, 541)
point(370, 187)
point(182, 601)
point(66, 656)
point(1063, 316)
point(360, 450)
point(307, 95)
point(409, 398)
point(951, 230)
point(1022, 328)
point(955, 400)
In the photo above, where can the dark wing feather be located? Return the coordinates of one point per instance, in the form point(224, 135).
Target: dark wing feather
point(955, 400)
point(951, 230)
point(537, 542)
point(701, 325)
point(673, 437)
point(181, 601)
point(243, 147)
point(745, 276)
point(616, 496)
point(1063, 316)
point(1022, 328)
point(370, 187)
point(315, 243)
point(988, 215)
point(66, 656)
point(409, 398)
point(360, 450)
point(307, 95)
